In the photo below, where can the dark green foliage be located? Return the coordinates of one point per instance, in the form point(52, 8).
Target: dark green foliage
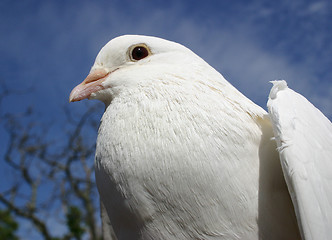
point(74, 220)
point(8, 226)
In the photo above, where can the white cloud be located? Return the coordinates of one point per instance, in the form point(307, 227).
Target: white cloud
point(317, 7)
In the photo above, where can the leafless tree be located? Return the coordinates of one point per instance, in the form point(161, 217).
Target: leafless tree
point(51, 182)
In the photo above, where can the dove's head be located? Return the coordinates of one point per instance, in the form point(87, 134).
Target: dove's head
point(132, 60)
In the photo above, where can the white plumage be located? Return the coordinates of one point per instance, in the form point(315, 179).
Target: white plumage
point(182, 154)
point(304, 138)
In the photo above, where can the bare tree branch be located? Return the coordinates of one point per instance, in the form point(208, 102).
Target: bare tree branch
point(49, 173)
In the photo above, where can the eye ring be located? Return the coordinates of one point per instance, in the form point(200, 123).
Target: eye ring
point(139, 52)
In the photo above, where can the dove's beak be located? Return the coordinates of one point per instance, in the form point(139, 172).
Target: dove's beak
point(91, 84)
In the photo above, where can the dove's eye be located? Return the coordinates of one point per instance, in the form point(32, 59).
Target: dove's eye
point(139, 52)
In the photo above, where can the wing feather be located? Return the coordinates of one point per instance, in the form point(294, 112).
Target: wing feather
point(304, 140)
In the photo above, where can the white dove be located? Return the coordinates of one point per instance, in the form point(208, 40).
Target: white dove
point(182, 154)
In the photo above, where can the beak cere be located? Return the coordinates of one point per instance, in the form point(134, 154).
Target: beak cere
point(92, 84)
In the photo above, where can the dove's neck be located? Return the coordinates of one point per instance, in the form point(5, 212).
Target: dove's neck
point(181, 156)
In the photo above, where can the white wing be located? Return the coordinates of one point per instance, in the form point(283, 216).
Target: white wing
point(304, 139)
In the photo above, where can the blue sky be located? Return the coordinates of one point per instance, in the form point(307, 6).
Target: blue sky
point(48, 47)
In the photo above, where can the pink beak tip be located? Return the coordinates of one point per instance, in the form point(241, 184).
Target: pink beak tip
point(91, 84)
